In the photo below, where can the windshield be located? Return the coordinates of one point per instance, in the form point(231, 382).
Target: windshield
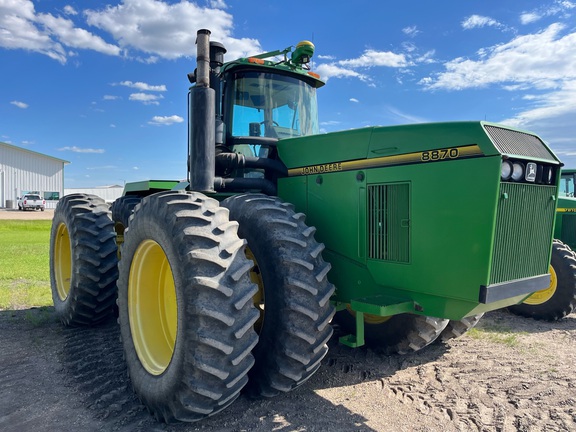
point(567, 185)
point(273, 106)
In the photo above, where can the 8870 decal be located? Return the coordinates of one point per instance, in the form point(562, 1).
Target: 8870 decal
point(437, 155)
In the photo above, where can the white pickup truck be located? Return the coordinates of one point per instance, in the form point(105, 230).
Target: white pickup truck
point(31, 202)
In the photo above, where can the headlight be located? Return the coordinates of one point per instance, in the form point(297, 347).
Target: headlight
point(517, 171)
point(506, 170)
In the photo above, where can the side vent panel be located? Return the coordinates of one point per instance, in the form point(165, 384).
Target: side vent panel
point(389, 222)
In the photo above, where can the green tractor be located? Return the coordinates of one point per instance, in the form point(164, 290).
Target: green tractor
point(559, 298)
point(234, 279)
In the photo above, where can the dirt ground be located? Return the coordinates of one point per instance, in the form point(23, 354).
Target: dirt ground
point(47, 214)
point(513, 374)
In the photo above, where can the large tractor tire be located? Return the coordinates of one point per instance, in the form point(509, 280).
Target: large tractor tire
point(397, 334)
point(457, 328)
point(294, 296)
point(185, 306)
point(83, 260)
point(559, 299)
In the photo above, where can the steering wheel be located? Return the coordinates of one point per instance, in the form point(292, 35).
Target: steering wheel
point(274, 122)
point(270, 131)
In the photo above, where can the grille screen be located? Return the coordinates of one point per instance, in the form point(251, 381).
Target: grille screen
point(389, 222)
point(523, 236)
point(518, 143)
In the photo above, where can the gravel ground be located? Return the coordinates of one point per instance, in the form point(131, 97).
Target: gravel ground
point(514, 374)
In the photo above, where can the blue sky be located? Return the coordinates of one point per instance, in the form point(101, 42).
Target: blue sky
point(103, 84)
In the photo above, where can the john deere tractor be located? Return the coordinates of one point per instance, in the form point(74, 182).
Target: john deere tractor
point(233, 279)
point(559, 298)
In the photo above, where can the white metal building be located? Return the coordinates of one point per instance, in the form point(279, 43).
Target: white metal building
point(107, 193)
point(23, 171)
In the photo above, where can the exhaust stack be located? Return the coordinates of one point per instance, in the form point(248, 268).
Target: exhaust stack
point(202, 121)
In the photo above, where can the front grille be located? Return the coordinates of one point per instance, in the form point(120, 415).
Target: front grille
point(510, 142)
point(523, 231)
point(569, 229)
point(389, 222)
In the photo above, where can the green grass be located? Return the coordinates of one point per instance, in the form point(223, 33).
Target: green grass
point(24, 264)
point(496, 334)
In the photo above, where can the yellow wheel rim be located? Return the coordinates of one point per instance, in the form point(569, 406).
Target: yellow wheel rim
point(369, 318)
point(62, 262)
point(152, 307)
point(542, 296)
point(256, 277)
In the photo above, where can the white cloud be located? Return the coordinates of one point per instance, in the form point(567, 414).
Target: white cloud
point(145, 98)
point(153, 27)
point(558, 7)
point(372, 58)
point(427, 57)
point(328, 71)
point(218, 4)
point(354, 100)
point(168, 29)
point(81, 150)
point(18, 30)
point(143, 86)
point(554, 105)
point(63, 29)
point(69, 10)
point(165, 120)
point(401, 117)
point(110, 97)
point(478, 21)
point(19, 104)
point(22, 28)
point(539, 68)
point(529, 17)
point(325, 57)
point(543, 60)
point(410, 31)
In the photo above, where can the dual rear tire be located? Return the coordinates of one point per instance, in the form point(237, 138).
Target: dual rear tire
point(186, 304)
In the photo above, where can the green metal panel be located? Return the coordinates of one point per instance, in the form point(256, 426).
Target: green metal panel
point(147, 187)
point(568, 232)
point(565, 229)
point(413, 214)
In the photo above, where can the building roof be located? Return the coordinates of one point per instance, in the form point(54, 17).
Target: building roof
point(33, 152)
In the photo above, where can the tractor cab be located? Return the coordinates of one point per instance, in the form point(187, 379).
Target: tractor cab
point(257, 101)
point(265, 98)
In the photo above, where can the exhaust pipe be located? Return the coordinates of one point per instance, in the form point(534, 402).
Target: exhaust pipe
point(202, 121)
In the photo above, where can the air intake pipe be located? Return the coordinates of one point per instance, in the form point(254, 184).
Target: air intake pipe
point(202, 124)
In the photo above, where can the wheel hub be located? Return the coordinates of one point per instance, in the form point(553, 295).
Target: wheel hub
point(152, 307)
